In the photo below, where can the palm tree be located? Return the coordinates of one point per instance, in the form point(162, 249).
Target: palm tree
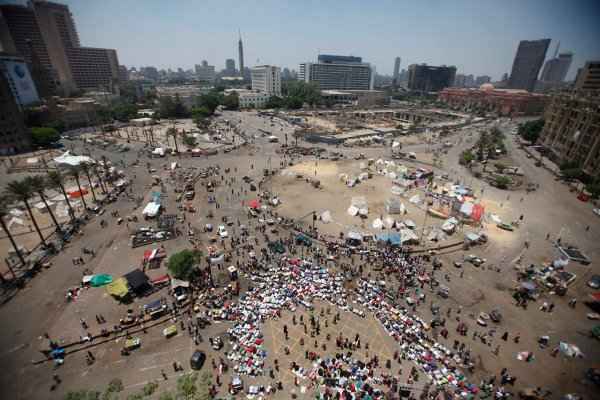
point(173, 132)
point(4, 212)
point(95, 170)
point(75, 172)
point(22, 190)
point(39, 185)
point(85, 167)
point(55, 180)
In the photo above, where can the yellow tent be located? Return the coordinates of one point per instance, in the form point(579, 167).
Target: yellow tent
point(118, 288)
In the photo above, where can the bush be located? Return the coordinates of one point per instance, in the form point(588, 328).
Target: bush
point(500, 167)
point(466, 157)
point(150, 388)
point(181, 265)
point(44, 136)
point(82, 395)
point(572, 173)
point(531, 130)
point(189, 140)
point(502, 182)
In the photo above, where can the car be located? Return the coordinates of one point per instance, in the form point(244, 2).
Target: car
point(596, 211)
point(505, 226)
point(197, 360)
point(594, 282)
point(222, 231)
point(473, 259)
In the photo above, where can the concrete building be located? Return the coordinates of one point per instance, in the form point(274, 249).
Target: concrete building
point(123, 73)
point(205, 72)
point(149, 73)
point(333, 72)
point(266, 78)
point(187, 94)
point(507, 102)
point(572, 130)
point(556, 69)
point(480, 80)
point(230, 67)
point(428, 78)
point(459, 80)
point(14, 137)
point(250, 98)
point(19, 79)
point(528, 61)
point(356, 98)
point(396, 76)
point(588, 78)
point(49, 29)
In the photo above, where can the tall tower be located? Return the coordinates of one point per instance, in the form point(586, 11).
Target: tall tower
point(241, 55)
point(527, 64)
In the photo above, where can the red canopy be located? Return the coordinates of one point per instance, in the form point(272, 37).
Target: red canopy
point(254, 204)
point(160, 279)
point(76, 193)
point(595, 296)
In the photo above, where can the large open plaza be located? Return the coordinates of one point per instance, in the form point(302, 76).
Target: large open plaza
point(397, 292)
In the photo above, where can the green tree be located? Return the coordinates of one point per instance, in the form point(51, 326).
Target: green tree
point(166, 396)
point(22, 191)
point(75, 172)
point(466, 157)
point(502, 182)
point(3, 213)
point(275, 102)
point(150, 388)
point(231, 101)
point(572, 173)
point(179, 110)
point(55, 180)
point(306, 92)
point(210, 101)
point(181, 265)
point(500, 167)
point(187, 387)
point(172, 132)
point(531, 130)
point(189, 140)
point(44, 136)
point(204, 386)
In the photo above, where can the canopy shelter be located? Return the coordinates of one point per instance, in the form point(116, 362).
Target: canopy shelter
point(69, 160)
point(137, 281)
point(175, 283)
point(118, 288)
point(392, 238)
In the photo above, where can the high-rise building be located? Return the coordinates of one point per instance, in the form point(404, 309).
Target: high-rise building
point(528, 61)
point(49, 29)
point(230, 67)
point(572, 130)
point(333, 72)
point(396, 75)
point(149, 73)
point(14, 137)
point(480, 80)
point(428, 78)
point(123, 73)
point(241, 55)
point(588, 78)
point(205, 72)
point(459, 80)
point(267, 78)
point(556, 69)
point(469, 80)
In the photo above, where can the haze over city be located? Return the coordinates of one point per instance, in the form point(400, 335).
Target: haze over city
point(478, 37)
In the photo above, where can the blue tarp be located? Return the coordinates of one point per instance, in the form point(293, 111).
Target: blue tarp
point(393, 238)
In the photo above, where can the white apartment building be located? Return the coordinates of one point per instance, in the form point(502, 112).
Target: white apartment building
point(267, 79)
point(250, 98)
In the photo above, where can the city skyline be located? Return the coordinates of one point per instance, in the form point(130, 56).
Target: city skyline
point(171, 37)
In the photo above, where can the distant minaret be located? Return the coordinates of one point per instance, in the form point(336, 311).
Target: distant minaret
point(241, 55)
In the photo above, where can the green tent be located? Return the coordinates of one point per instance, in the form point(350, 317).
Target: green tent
point(596, 331)
point(100, 280)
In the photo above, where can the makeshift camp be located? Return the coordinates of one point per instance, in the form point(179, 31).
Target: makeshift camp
point(392, 238)
point(326, 217)
point(100, 280)
point(254, 204)
point(354, 238)
point(138, 281)
point(76, 193)
point(377, 223)
point(408, 236)
point(151, 210)
point(118, 288)
point(394, 206)
point(415, 199)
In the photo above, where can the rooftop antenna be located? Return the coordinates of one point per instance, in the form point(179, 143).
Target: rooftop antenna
point(240, 34)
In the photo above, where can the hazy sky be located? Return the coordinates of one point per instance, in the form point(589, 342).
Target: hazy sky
point(478, 36)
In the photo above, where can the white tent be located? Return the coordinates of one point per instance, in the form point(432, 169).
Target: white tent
point(389, 222)
point(377, 223)
point(326, 217)
point(15, 220)
point(16, 212)
point(415, 199)
point(407, 235)
point(352, 211)
point(68, 160)
point(151, 209)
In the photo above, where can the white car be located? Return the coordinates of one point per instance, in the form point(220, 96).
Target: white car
point(222, 231)
point(596, 211)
